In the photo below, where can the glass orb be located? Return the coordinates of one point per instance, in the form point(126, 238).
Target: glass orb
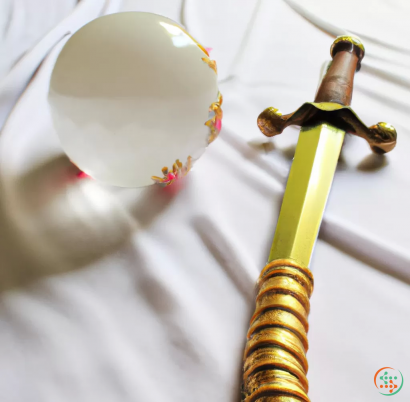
point(132, 94)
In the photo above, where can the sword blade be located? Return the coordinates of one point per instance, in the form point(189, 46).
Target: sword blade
point(307, 190)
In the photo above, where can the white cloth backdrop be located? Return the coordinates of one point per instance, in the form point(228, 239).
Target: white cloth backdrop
point(110, 294)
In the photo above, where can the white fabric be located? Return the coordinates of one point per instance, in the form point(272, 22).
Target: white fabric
point(112, 294)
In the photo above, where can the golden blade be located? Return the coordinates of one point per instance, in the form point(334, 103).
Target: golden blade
point(307, 190)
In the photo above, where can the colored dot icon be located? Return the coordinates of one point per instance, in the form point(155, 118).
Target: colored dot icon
point(387, 380)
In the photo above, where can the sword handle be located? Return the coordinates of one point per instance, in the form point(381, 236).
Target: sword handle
point(337, 85)
point(275, 364)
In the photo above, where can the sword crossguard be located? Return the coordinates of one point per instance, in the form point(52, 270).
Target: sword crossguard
point(332, 102)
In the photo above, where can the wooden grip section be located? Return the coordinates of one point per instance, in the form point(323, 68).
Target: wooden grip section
point(275, 364)
point(337, 85)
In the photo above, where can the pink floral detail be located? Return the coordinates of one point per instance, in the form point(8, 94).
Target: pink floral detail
point(82, 175)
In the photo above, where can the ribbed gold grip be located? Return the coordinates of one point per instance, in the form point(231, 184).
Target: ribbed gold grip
point(275, 364)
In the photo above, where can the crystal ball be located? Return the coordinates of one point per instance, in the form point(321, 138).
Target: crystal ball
point(134, 99)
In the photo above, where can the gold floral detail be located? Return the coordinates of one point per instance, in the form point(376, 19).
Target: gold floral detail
point(215, 119)
point(178, 170)
point(211, 63)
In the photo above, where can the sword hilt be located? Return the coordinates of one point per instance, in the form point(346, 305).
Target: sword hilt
point(275, 364)
point(337, 85)
point(332, 102)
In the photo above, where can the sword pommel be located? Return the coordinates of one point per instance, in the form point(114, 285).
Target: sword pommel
point(337, 85)
point(332, 102)
point(350, 44)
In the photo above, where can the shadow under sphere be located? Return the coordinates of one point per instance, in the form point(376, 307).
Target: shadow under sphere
point(53, 222)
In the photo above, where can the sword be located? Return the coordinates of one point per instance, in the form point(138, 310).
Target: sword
point(275, 364)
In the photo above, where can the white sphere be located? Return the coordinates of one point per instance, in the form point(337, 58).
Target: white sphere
point(132, 93)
